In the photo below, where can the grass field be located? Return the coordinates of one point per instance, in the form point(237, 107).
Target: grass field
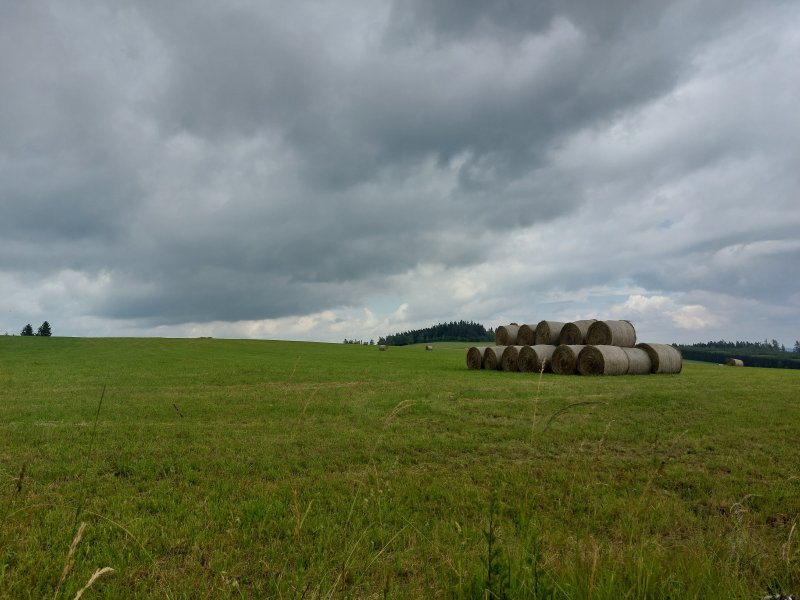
point(218, 468)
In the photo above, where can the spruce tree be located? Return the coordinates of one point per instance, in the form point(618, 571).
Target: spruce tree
point(27, 330)
point(44, 330)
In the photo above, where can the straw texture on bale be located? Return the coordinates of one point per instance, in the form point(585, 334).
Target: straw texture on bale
point(575, 332)
point(475, 357)
point(531, 358)
point(734, 362)
point(506, 335)
point(565, 359)
point(492, 357)
point(639, 362)
point(549, 332)
point(602, 360)
point(526, 336)
point(509, 359)
point(664, 358)
point(611, 333)
point(382, 348)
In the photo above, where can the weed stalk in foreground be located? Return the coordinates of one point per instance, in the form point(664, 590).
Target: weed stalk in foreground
point(12, 499)
point(298, 518)
point(79, 507)
point(536, 399)
point(70, 561)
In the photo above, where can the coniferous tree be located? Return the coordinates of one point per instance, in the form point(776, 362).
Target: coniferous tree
point(44, 330)
point(27, 330)
point(462, 331)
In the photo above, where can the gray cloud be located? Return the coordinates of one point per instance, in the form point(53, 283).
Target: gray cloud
point(171, 164)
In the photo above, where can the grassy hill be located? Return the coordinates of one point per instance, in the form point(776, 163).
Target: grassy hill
point(219, 468)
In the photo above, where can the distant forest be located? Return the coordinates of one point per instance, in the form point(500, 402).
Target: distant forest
point(753, 354)
point(461, 331)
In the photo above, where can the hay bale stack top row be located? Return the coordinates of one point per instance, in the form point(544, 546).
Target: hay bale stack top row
point(590, 331)
point(589, 347)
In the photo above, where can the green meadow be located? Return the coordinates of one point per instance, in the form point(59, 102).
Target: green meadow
point(207, 468)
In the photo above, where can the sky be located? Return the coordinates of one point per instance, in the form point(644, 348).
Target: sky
point(329, 170)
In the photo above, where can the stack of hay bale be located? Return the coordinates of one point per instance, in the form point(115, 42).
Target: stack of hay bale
point(589, 347)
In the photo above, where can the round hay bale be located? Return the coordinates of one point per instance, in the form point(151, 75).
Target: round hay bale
point(509, 359)
point(611, 333)
point(664, 358)
point(602, 360)
point(734, 362)
point(532, 358)
point(475, 357)
point(526, 336)
point(526, 359)
point(548, 332)
point(506, 335)
point(428, 347)
point(639, 362)
point(492, 357)
point(565, 359)
point(382, 348)
point(575, 332)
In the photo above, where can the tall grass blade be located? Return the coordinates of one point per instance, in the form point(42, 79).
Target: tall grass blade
point(79, 507)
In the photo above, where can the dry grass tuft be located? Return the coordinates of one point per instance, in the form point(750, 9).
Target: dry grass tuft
point(298, 518)
point(787, 547)
point(400, 407)
point(95, 576)
point(70, 561)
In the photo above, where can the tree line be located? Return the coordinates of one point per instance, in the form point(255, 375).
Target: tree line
point(754, 354)
point(766, 346)
point(455, 331)
point(43, 331)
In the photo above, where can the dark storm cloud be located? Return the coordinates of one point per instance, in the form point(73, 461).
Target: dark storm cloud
point(502, 99)
point(234, 70)
point(614, 56)
point(64, 172)
point(256, 160)
point(613, 19)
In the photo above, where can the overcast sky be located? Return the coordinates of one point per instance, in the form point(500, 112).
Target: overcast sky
point(330, 170)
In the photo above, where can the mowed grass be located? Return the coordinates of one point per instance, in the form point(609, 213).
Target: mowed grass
point(219, 468)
